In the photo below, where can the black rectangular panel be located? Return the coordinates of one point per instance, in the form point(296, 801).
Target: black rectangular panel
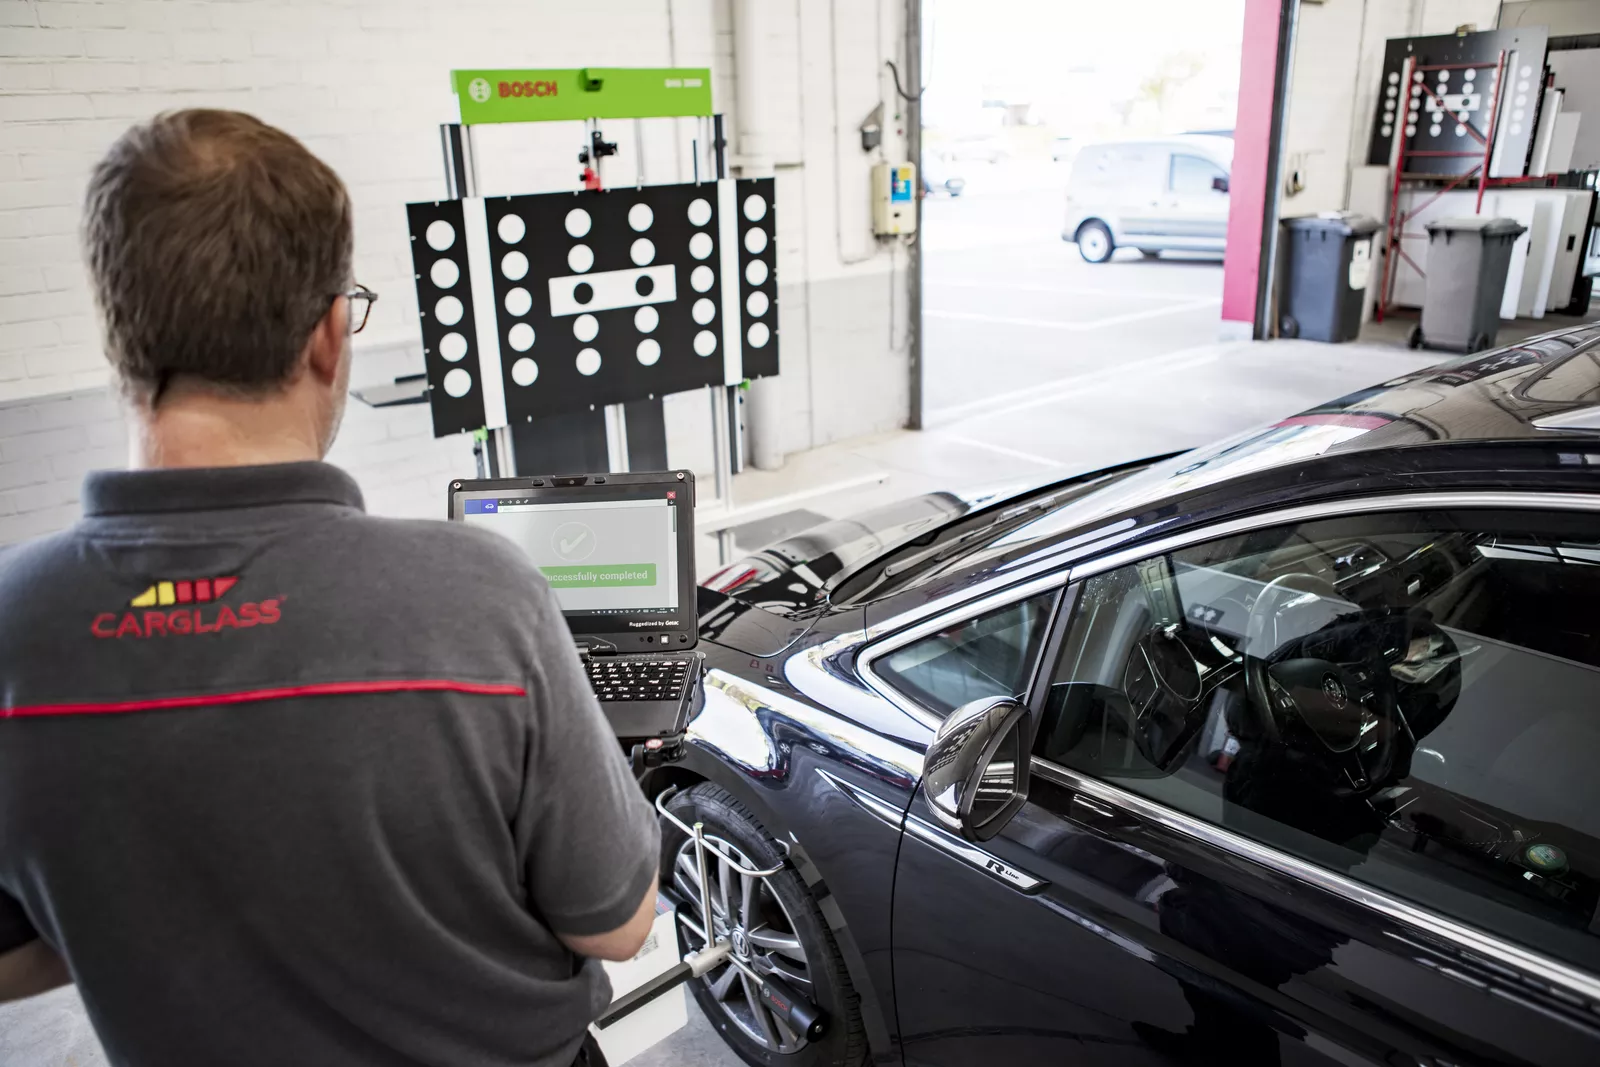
point(758, 274)
point(1460, 98)
point(444, 303)
point(558, 357)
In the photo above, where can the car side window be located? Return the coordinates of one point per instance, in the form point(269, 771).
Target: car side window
point(1193, 174)
point(994, 654)
point(1412, 700)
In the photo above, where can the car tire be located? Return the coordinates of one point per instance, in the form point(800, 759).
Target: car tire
point(1095, 243)
point(1288, 326)
point(843, 1043)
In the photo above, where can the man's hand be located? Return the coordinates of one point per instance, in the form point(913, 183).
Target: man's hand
point(35, 968)
point(625, 941)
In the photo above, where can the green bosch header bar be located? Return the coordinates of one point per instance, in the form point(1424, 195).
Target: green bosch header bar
point(590, 93)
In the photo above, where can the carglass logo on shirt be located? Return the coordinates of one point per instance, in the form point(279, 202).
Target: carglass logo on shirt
point(178, 607)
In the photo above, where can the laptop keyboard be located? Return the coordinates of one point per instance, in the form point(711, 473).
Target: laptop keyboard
point(638, 679)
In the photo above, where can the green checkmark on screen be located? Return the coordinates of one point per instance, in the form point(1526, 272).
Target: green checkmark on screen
point(610, 576)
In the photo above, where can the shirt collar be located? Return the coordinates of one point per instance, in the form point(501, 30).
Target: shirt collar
point(217, 488)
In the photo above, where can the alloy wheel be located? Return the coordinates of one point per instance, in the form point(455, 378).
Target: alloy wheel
point(749, 914)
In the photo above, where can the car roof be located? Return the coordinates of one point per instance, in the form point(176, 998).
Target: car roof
point(1468, 422)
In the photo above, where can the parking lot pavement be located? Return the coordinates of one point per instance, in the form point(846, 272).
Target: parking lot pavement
point(1008, 304)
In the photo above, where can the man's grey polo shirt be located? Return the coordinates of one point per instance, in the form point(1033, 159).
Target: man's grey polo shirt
point(289, 784)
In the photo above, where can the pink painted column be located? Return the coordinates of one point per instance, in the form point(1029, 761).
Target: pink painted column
point(1252, 154)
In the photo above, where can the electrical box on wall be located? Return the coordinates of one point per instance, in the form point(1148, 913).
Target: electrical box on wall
point(894, 205)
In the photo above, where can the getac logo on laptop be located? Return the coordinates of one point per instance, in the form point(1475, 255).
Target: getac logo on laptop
point(171, 613)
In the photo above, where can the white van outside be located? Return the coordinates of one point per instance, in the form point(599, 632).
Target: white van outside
point(1169, 193)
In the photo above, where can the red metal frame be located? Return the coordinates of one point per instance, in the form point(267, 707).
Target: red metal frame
point(1479, 171)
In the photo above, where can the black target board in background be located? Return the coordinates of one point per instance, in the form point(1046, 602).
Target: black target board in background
point(758, 274)
point(449, 328)
point(605, 297)
point(1438, 110)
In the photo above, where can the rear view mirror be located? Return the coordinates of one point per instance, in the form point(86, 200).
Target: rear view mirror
point(977, 767)
point(1220, 183)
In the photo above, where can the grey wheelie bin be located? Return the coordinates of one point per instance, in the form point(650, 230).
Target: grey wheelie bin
point(1327, 263)
point(1467, 263)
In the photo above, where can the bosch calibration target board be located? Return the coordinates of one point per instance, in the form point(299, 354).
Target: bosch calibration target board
point(450, 348)
point(573, 301)
point(758, 274)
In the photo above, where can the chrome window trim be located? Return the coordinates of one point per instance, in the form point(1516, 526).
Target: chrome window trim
point(1349, 508)
point(971, 608)
point(1000, 590)
point(1524, 961)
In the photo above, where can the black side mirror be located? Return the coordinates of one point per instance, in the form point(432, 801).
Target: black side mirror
point(977, 767)
point(1220, 183)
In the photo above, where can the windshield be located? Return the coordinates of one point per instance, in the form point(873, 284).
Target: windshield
point(913, 560)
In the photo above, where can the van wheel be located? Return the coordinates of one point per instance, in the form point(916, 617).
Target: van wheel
point(1094, 242)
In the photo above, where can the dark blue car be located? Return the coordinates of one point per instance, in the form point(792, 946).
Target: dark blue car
point(1278, 751)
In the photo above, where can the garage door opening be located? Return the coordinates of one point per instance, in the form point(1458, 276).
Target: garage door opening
point(1076, 164)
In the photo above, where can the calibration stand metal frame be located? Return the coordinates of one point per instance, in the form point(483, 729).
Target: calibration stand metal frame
point(630, 435)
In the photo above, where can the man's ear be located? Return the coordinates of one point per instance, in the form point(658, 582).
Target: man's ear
point(325, 346)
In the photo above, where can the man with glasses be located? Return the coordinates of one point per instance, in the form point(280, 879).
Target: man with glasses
point(281, 783)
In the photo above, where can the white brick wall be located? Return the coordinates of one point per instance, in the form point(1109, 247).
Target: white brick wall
point(364, 83)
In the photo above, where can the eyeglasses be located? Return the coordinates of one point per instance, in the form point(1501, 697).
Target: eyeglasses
point(361, 300)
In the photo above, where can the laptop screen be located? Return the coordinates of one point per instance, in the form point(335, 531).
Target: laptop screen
point(617, 553)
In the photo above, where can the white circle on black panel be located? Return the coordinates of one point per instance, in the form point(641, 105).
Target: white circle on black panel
point(1444, 75)
point(1391, 91)
point(703, 311)
point(520, 336)
point(1416, 75)
point(1470, 74)
point(510, 228)
point(586, 328)
point(580, 259)
point(444, 273)
point(1394, 76)
point(701, 279)
point(452, 346)
point(440, 234)
point(588, 362)
point(756, 304)
point(524, 371)
point(458, 382)
point(700, 245)
point(642, 252)
point(755, 240)
point(1411, 131)
point(519, 302)
point(755, 272)
point(514, 265)
point(648, 352)
point(1461, 131)
point(646, 319)
point(755, 207)
point(578, 222)
point(758, 335)
point(699, 212)
point(1386, 130)
point(705, 343)
point(640, 217)
point(448, 310)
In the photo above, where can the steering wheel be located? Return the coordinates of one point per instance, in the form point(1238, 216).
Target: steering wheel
point(1313, 660)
